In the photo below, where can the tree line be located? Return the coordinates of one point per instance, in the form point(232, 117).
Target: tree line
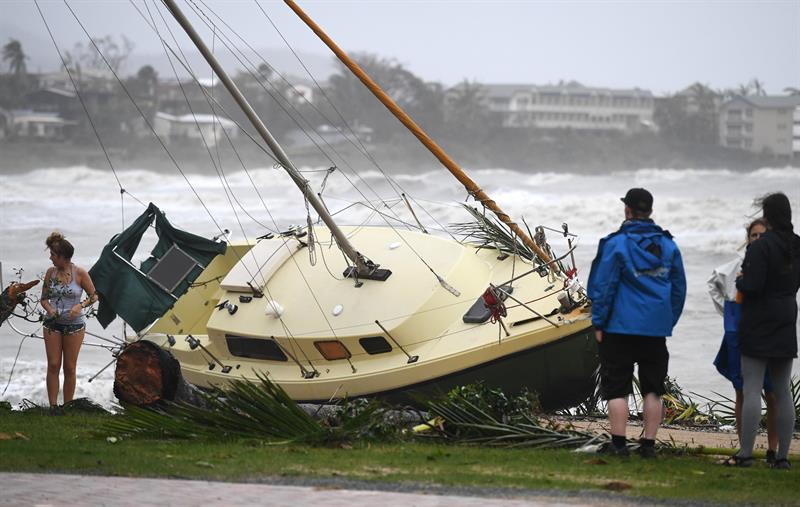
point(456, 115)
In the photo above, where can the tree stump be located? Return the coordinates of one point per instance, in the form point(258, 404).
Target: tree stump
point(147, 375)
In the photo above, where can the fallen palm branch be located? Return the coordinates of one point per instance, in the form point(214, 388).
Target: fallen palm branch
point(461, 420)
point(260, 410)
point(490, 233)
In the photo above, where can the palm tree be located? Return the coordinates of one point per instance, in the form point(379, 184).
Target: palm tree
point(758, 87)
point(466, 110)
point(148, 79)
point(15, 57)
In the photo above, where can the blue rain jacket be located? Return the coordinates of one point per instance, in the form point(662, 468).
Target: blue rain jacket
point(637, 284)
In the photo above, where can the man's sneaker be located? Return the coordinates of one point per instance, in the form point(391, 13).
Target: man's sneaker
point(770, 457)
point(609, 449)
point(647, 452)
point(781, 464)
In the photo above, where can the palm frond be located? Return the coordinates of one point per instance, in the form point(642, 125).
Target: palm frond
point(259, 410)
point(488, 232)
point(466, 422)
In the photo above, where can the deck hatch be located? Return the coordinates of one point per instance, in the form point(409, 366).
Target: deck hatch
point(255, 348)
point(375, 345)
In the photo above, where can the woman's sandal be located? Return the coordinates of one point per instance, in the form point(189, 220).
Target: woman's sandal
point(738, 461)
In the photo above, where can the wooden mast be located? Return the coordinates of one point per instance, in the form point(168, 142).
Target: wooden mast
point(420, 134)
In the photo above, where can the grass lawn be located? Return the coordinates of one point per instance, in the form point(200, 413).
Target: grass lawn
point(31, 442)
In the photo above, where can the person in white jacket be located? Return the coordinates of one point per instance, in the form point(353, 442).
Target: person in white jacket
point(722, 288)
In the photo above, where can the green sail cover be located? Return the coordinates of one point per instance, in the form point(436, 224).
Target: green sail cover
point(126, 292)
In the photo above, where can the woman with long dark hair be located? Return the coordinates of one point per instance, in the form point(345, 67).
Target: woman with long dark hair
point(722, 288)
point(767, 331)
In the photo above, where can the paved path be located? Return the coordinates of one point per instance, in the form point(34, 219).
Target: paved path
point(686, 436)
point(57, 490)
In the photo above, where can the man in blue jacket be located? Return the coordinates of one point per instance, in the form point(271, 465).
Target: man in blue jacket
point(637, 286)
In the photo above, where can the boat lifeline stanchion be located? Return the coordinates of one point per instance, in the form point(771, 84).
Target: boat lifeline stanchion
point(194, 343)
point(305, 373)
point(411, 359)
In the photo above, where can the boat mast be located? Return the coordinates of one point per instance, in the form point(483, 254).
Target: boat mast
point(362, 264)
point(420, 134)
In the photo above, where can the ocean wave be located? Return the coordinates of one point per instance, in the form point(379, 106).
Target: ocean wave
point(653, 175)
point(704, 207)
point(788, 173)
point(28, 383)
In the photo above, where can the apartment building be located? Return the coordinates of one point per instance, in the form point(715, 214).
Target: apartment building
point(571, 106)
point(796, 132)
point(761, 124)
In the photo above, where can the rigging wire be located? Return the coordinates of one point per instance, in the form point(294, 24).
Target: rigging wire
point(361, 147)
point(438, 277)
point(229, 193)
point(78, 93)
point(294, 260)
point(270, 155)
point(200, 131)
point(441, 280)
point(14, 365)
point(211, 23)
point(234, 50)
point(222, 108)
point(144, 117)
point(264, 282)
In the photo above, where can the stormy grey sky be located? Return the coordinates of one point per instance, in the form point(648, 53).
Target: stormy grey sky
point(657, 45)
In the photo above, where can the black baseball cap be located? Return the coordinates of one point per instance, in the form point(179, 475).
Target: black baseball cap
point(638, 199)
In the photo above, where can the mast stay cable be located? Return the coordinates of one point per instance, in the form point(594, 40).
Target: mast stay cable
point(429, 143)
point(396, 186)
point(249, 65)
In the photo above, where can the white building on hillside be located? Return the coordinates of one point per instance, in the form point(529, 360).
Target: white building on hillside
point(761, 124)
point(39, 125)
point(796, 132)
point(571, 106)
point(199, 126)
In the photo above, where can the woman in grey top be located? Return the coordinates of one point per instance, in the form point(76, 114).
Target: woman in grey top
point(64, 325)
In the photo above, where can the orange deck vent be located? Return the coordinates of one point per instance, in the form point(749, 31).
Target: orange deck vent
point(332, 350)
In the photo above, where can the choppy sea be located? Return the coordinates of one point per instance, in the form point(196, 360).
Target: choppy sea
point(706, 211)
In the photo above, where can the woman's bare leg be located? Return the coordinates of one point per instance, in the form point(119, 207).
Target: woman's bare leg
point(52, 346)
point(72, 346)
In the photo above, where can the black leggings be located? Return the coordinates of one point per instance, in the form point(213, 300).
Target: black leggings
point(780, 370)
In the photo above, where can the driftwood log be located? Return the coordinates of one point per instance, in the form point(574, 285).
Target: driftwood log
point(148, 375)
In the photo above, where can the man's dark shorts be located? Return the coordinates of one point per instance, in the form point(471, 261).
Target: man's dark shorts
point(619, 352)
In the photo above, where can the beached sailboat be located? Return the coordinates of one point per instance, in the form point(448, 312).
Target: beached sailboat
point(401, 312)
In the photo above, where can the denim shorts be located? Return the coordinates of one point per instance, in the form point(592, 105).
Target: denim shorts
point(64, 329)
